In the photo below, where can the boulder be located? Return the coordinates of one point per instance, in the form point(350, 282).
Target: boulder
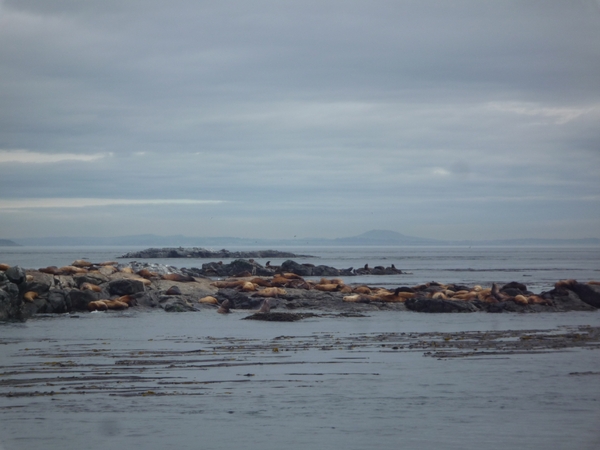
point(79, 300)
point(16, 275)
point(431, 305)
point(125, 287)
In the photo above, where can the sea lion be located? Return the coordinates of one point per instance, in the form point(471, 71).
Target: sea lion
point(357, 298)
point(224, 307)
point(362, 290)
point(97, 305)
point(71, 270)
point(127, 299)
point(115, 304)
point(248, 287)
point(108, 263)
point(521, 299)
point(30, 296)
point(90, 287)
point(145, 273)
point(327, 287)
point(52, 270)
point(270, 292)
point(4, 267)
point(265, 307)
point(81, 263)
point(126, 270)
point(209, 299)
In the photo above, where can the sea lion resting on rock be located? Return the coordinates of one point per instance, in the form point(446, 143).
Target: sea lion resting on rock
point(30, 296)
point(209, 299)
point(4, 267)
point(90, 287)
point(177, 277)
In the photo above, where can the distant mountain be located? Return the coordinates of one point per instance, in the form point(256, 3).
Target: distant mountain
point(8, 243)
point(370, 238)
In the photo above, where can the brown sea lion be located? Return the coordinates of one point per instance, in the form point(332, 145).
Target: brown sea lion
point(357, 298)
point(4, 267)
point(90, 287)
point(127, 299)
point(145, 273)
point(209, 299)
point(248, 287)
point(81, 263)
point(270, 292)
point(97, 305)
point(52, 270)
point(71, 270)
point(30, 296)
point(116, 304)
point(327, 287)
point(362, 290)
point(394, 297)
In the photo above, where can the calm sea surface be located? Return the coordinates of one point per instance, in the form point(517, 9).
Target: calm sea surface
point(200, 380)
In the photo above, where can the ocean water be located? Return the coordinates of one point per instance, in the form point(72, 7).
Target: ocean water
point(158, 380)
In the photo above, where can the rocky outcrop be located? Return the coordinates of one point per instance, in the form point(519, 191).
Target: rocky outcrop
point(12, 307)
point(102, 287)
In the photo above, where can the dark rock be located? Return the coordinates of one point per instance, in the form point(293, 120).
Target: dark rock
point(324, 271)
point(588, 293)
point(125, 287)
point(173, 290)
point(279, 316)
point(57, 302)
point(147, 299)
point(299, 269)
point(177, 304)
point(91, 278)
point(430, 305)
point(567, 300)
point(514, 285)
point(16, 274)
point(512, 291)
point(238, 300)
point(79, 300)
point(11, 306)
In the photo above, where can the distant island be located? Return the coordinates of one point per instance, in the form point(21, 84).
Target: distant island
point(204, 253)
point(369, 238)
point(8, 243)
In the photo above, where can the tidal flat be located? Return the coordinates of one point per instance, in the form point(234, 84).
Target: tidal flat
point(391, 379)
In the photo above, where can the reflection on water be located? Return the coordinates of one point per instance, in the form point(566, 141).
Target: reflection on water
point(201, 380)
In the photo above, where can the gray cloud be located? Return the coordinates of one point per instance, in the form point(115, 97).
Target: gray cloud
point(454, 119)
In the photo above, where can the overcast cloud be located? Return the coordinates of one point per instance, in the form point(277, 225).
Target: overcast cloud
point(441, 119)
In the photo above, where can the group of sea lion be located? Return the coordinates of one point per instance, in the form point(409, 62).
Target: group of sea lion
point(275, 287)
point(82, 266)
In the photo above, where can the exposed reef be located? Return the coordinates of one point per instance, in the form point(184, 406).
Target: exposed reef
point(85, 286)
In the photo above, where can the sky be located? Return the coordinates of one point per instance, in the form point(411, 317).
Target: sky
point(275, 119)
